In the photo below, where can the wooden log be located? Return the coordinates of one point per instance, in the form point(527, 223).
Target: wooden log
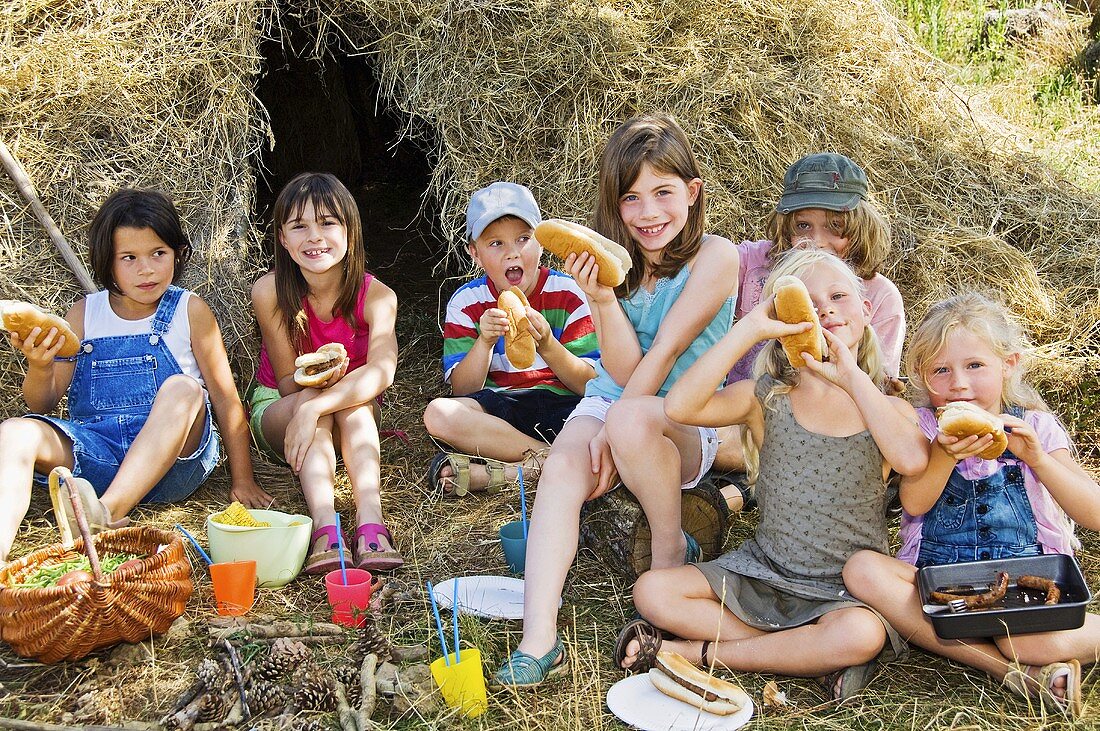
point(614, 527)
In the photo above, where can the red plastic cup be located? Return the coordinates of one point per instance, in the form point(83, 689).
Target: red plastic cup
point(350, 602)
point(234, 586)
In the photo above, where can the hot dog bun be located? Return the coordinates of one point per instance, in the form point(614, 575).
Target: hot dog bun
point(519, 343)
point(22, 317)
point(792, 306)
point(963, 419)
point(677, 678)
point(317, 367)
point(562, 238)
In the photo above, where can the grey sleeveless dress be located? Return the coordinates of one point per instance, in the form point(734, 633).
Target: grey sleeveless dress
point(821, 499)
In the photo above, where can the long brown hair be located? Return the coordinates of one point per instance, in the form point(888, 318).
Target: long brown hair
point(328, 196)
point(658, 140)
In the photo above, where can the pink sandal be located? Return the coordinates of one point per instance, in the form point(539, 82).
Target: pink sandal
point(374, 558)
point(321, 562)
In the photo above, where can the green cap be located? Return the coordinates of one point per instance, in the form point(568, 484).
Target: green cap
point(823, 180)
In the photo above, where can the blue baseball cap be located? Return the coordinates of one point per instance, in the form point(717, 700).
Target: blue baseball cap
point(824, 180)
point(500, 199)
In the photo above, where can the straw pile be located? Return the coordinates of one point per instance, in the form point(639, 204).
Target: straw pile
point(156, 93)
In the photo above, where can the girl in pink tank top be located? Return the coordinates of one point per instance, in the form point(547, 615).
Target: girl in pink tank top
point(318, 293)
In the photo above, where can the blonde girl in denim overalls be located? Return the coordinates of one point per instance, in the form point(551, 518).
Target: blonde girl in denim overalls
point(964, 508)
point(150, 377)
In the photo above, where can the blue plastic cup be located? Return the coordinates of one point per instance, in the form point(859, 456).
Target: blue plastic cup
point(514, 545)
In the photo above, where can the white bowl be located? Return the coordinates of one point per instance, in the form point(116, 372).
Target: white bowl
point(279, 550)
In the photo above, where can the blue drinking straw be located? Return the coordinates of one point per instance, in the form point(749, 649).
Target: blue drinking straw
point(522, 504)
point(340, 549)
point(454, 613)
point(195, 543)
point(439, 625)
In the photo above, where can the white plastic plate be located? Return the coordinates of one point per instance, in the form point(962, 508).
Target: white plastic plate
point(637, 703)
point(492, 597)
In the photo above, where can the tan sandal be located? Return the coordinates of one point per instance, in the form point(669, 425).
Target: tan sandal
point(498, 477)
point(1041, 686)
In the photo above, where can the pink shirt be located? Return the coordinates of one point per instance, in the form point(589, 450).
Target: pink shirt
point(887, 310)
point(320, 332)
point(1055, 534)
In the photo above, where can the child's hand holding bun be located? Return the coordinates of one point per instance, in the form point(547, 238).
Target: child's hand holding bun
point(962, 419)
point(519, 343)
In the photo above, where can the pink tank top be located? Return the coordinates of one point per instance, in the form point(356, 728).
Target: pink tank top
point(320, 332)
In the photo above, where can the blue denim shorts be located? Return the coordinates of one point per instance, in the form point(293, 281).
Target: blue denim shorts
point(101, 443)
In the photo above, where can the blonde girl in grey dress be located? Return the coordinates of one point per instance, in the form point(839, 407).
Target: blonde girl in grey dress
point(824, 436)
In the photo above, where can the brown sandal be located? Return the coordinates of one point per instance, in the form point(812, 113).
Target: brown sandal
point(649, 642)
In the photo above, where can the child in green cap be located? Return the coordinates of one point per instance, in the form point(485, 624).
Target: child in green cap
point(825, 205)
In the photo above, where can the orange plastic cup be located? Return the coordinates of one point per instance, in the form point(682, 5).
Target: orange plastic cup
point(234, 586)
point(350, 602)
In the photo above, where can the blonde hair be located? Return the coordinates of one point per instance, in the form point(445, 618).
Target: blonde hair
point(865, 227)
point(984, 319)
point(772, 360)
point(658, 140)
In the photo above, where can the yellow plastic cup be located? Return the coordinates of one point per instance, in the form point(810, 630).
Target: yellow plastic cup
point(462, 683)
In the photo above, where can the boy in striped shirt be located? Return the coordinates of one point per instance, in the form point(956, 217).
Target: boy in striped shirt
point(500, 416)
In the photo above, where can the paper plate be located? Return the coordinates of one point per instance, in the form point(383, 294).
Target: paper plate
point(493, 597)
point(636, 702)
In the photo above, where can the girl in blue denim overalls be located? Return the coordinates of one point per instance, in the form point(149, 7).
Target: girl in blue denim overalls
point(151, 372)
point(964, 508)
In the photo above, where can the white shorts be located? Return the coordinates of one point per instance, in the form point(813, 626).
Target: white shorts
point(597, 406)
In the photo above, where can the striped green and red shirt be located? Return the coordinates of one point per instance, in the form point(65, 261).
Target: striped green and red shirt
point(560, 301)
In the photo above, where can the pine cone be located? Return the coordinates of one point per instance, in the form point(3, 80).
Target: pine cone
point(285, 655)
point(349, 676)
point(211, 674)
point(212, 707)
point(266, 697)
point(372, 640)
point(315, 691)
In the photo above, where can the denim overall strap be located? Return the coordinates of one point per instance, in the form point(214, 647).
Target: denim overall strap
point(166, 310)
point(121, 374)
point(978, 520)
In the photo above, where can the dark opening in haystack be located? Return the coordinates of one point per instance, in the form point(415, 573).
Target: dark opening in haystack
point(326, 115)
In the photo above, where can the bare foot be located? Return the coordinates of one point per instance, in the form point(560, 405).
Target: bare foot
point(686, 648)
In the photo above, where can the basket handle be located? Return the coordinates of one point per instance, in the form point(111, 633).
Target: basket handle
point(81, 521)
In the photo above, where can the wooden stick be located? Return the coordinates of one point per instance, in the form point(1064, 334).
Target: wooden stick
point(282, 628)
point(235, 663)
point(20, 725)
point(369, 692)
point(344, 713)
point(23, 182)
point(246, 640)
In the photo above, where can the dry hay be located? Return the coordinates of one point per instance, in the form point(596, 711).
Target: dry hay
point(93, 96)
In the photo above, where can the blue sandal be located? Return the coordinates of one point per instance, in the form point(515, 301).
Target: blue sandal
point(693, 554)
point(526, 671)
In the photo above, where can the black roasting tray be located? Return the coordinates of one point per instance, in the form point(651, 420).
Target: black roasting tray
point(1016, 617)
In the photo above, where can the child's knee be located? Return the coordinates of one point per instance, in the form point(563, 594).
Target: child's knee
point(19, 434)
point(864, 634)
point(863, 570)
point(441, 416)
point(630, 420)
point(182, 389)
point(652, 591)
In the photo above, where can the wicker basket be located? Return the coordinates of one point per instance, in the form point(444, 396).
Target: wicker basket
point(131, 604)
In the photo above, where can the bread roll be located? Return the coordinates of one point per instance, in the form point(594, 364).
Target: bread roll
point(793, 305)
point(22, 317)
point(519, 343)
point(562, 238)
point(677, 678)
point(963, 419)
point(317, 367)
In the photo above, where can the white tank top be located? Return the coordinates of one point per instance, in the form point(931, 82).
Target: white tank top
point(100, 321)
